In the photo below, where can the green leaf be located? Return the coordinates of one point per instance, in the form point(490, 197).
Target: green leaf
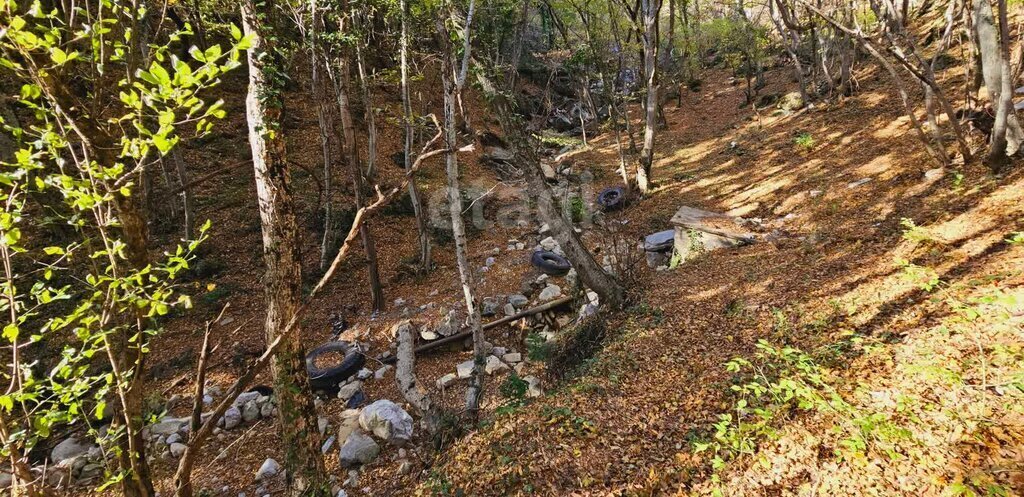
point(11, 332)
point(58, 56)
point(236, 33)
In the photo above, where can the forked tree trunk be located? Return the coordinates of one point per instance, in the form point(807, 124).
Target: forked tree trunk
point(303, 463)
point(422, 235)
point(466, 277)
point(1007, 134)
point(651, 8)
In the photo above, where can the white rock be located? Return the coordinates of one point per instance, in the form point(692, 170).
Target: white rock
point(464, 369)
point(321, 425)
point(349, 389)
point(533, 386)
point(509, 310)
point(178, 449)
point(173, 439)
point(446, 380)
point(364, 374)
point(550, 292)
point(250, 411)
point(245, 398)
point(399, 302)
point(494, 365)
point(512, 357)
point(269, 468)
point(327, 444)
point(550, 244)
point(388, 421)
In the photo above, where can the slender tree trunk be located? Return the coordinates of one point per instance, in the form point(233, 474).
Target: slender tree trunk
point(303, 463)
point(422, 235)
point(651, 8)
point(466, 277)
point(1006, 132)
point(329, 241)
point(352, 157)
point(187, 199)
point(368, 111)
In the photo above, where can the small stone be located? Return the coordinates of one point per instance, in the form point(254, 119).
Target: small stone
point(327, 444)
point(346, 392)
point(269, 468)
point(509, 310)
point(250, 411)
point(404, 467)
point(489, 307)
point(383, 370)
point(359, 449)
point(399, 302)
point(321, 425)
point(512, 357)
point(178, 449)
point(533, 387)
point(494, 365)
point(357, 400)
point(550, 292)
point(549, 244)
point(364, 374)
point(464, 369)
point(859, 182)
point(521, 246)
point(544, 229)
point(173, 439)
point(489, 262)
point(499, 351)
point(207, 399)
point(518, 300)
point(232, 418)
point(446, 380)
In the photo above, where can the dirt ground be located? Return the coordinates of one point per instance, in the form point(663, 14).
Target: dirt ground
point(626, 423)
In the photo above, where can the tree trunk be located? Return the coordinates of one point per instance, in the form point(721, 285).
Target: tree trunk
point(466, 277)
point(187, 199)
point(368, 111)
point(422, 235)
point(651, 8)
point(1007, 134)
point(341, 83)
point(304, 466)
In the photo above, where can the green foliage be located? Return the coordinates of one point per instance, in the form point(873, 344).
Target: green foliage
point(98, 114)
point(513, 389)
point(804, 141)
point(577, 209)
point(740, 44)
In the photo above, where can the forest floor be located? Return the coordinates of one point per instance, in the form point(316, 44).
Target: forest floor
point(932, 413)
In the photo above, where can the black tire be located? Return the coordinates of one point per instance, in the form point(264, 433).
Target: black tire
point(329, 377)
point(612, 198)
point(550, 263)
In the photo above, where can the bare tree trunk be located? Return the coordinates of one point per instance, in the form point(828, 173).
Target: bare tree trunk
point(368, 111)
point(423, 236)
point(329, 241)
point(475, 390)
point(994, 48)
point(651, 9)
point(352, 157)
point(303, 463)
point(187, 200)
point(405, 376)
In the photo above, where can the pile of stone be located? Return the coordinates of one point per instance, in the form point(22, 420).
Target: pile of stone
point(167, 437)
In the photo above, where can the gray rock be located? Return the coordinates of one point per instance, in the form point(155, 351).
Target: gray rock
point(404, 467)
point(509, 310)
point(349, 389)
point(267, 410)
point(69, 449)
point(450, 324)
point(382, 371)
point(268, 469)
point(328, 444)
point(388, 421)
point(512, 357)
point(518, 300)
point(446, 380)
point(549, 244)
point(533, 386)
point(364, 374)
point(550, 292)
point(489, 262)
point(167, 426)
point(660, 241)
point(464, 369)
point(6, 478)
point(250, 411)
point(359, 449)
point(178, 449)
point(399, 302)
point(245, 398)
point(321, 425)
point(232, 418)
point(490, 307)
point(494, 365)
point(173, 439)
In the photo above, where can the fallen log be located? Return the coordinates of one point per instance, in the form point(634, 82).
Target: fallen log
point(390, 359)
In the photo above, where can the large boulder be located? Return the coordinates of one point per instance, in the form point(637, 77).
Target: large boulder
point(791, 101)
point(387, 421)
point(359, 449)
point(69, 449)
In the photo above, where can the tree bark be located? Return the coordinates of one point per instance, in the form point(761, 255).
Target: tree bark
point(651, 9)
point(304, 466)
point(422, 235)
point(466, 277)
